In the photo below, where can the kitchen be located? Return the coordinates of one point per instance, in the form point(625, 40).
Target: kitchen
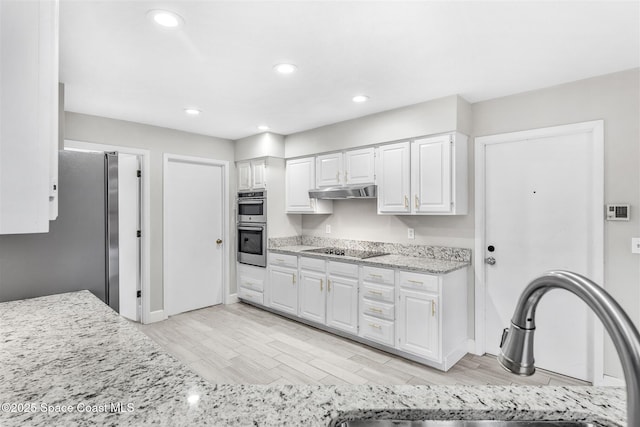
point(607, 92)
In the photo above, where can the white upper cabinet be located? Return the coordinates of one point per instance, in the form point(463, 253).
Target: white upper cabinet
point(431, 177)
point(258, 174)
point(252, 175)
point(359, 166)
point(394, 178)
point(28, 115)
point(329, 170)
point(433, 183)
point(300, 178)
point(347, 168)
point(244, 175)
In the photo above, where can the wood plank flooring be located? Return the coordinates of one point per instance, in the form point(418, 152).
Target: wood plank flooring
point(240, 344)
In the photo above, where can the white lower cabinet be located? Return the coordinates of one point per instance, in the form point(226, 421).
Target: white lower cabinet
point(418, 323)
point(312, 295)
point(283, 289)
point(377, 305)
point(251, 283)
point(431, 320)
point(342, 297)
point(419, 316)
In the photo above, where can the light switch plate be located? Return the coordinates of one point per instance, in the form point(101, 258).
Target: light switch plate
point(411, 233)
point(327, 228)
point(635, 245)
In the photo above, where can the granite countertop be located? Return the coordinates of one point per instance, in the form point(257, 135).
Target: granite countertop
point(404, 262)
point(70, 360)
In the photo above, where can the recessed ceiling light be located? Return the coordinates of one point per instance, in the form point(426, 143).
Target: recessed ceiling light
point(263, 127)
point(192, 111)
point(360, 98)
point(285, 68)
point(165, 18)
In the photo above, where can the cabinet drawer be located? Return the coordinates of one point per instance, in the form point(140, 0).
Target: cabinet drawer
point(377, 309)
point(343, 269)
point(377, 292)
point(423, 282)
point(314, 264)
point(283, 260)
point(377, 330)
point(251, 283)
point(379, 275)
point(251, 295)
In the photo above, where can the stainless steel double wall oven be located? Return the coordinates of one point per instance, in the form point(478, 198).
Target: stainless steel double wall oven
point(252, 228)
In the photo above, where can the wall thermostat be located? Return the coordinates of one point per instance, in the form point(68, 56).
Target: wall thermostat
point(618, 212)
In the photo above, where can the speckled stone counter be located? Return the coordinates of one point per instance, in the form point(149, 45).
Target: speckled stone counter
point(72, 352)
point(404, 262)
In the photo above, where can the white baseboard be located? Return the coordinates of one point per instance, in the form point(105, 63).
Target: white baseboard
point(232, 299)
point(156, 316)
point(609, 381)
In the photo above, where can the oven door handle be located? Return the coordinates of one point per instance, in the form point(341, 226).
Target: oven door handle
point(242, 228)
point(251, 202)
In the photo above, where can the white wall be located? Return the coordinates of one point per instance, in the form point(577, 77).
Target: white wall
point(81, 127)
point(615, 99)
point(427, 118)
point(266, 144)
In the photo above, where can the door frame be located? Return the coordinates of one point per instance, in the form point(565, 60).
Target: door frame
point(226, 297)
point(596, 128)
point(145, 217)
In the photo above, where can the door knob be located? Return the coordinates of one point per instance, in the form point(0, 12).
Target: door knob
point(219, 241)
point(491, 260)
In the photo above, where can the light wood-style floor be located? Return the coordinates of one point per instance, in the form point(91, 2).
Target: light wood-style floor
point(241, 344)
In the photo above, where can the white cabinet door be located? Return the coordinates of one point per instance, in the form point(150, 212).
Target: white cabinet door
point(393, 178)
point(312, 296)
point(283, 289)
point(329, 170)
point(28, 115)
point(244, 176)
point(431, 174)
point(258, 174)
point(342, 304)
point(418, 324)
point(300, 176)
point(360, 166)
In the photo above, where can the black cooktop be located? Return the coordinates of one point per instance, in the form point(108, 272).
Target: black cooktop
point(354, 253)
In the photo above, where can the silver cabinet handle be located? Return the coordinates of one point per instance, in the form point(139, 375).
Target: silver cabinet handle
point(406, 201)
point(433, 308)
point(373, 325)
point(415, 282)
point(293, 278)
point(328, 285)
point(417, 202)
point(375, 293)
point(375, 310)
point(320, 285)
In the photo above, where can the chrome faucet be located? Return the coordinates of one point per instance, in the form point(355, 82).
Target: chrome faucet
point(516, 348)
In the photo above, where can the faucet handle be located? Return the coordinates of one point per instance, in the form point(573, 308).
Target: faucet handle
point(505, 332)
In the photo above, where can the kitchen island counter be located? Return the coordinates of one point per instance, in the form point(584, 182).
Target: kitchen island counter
point(68, 359)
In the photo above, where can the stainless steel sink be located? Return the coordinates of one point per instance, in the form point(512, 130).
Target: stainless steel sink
point(460, 423)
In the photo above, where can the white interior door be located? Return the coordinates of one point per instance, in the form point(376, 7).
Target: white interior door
point(128, 240)
point(540, 215)
point(193, 224)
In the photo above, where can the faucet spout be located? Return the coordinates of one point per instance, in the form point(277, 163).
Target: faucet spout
point(516, 348)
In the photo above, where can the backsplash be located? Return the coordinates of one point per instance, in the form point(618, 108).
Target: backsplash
point(422, 251)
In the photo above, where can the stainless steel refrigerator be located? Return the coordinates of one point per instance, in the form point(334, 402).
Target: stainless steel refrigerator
point(80, 251)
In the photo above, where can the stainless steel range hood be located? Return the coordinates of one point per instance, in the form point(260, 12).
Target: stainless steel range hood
point(338, 193)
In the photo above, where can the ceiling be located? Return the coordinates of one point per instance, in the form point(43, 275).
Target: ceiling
point(115, 62)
